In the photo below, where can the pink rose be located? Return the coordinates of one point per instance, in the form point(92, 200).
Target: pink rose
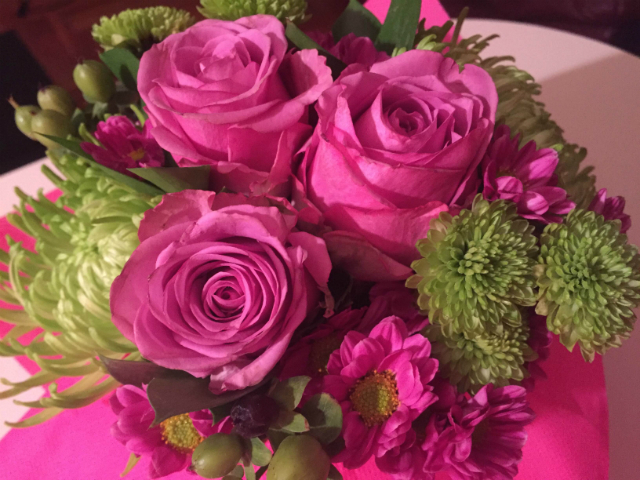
point(227, 94)
point(218, 285)
point(396, 145)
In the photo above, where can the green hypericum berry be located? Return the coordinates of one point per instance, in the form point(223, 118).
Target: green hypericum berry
point(470, 363)
point(299, 457)
point(56, 98)
point(50, 122)
point(217, 455)
point(477, 268)
point(141, 27)
point(589, 279)
point(293, 10)
point(94, 80)
point(23, 116)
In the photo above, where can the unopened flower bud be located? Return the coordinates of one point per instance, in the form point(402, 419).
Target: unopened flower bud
point(217, 455)
point(299, 457)
point(50, 122)
point(94, 80)
point(56, 98)
point(23, 117)
point(253, 415)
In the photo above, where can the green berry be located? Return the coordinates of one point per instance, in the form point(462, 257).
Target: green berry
point(56, 98)
point(299, 457)
point(24, 116)
point(50, 122)
point(217, 455)
point(95, 81)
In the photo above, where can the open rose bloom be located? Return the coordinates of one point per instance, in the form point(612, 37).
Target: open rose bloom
point(293, 246)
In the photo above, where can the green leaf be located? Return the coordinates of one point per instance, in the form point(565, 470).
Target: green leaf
point(137, 185)
point(221, 412)
point(304, 42)
point(249, 473)
point(176, 179)
point(134, 373)
point(173, 396)
point(324, 415)
point(123, 64)
point(334, 474)
point(288, 393)
point(400, 25)
point(276, 437)
point(133, 460)
point(356, 19)
point(292, 422)
point(260, 454)
point(235, 474)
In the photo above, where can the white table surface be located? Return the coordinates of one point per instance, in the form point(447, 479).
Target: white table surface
point(593, 92)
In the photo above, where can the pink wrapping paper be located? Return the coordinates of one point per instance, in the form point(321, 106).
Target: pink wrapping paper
point(568, 440)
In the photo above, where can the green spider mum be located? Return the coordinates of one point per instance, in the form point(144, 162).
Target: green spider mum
point(141, 27)
point(498, 357)
point(477, 268)
point(589, 279)
point(61, 291)
point(293, 10)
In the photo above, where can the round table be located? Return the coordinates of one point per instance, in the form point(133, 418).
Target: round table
point(591, 90)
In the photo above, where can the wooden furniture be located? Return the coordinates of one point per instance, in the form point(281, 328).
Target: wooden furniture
point(58, 32)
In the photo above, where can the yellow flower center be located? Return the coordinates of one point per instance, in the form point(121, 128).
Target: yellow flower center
point(375, 397)
point(137, 154)
point(179, 433)
point(321, 350)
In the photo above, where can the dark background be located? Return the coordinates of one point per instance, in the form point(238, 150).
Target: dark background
point(42, 40)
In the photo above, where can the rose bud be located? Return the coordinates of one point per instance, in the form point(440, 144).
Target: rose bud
point(94, 80)
point(217, 455)
point(50, 122)
point(56, 98)
point(23, 117)
point(252, 416)
point(299, 457)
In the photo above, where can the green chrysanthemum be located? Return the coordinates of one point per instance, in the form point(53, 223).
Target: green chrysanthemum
point(141, 27)
point(477, 268)
point(498, 357)
point(518, 107)
point(293, 10)
point(63, 288)
point(589, 279)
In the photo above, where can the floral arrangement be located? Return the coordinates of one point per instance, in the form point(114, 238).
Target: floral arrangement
point(282, 251)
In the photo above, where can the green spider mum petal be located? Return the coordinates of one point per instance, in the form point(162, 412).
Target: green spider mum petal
point(496, 357)
point(293, 10)
point(141, 27)
point(589, 279)
point(477, 268)
point(61, 291)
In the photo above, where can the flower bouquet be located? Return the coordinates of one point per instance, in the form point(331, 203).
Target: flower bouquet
point(285, 251)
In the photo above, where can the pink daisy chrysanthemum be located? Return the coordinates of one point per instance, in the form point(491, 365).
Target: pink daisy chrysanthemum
point(124, 146)
point(482, 437)
point(611, 208)
point(382, 382)
point(524, 176)
point(168, 445)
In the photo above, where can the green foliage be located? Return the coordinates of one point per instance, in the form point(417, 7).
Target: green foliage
point(400, 24)
point(589, 279)
point(288, 393)
point(356, 19)
point(324, 415)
